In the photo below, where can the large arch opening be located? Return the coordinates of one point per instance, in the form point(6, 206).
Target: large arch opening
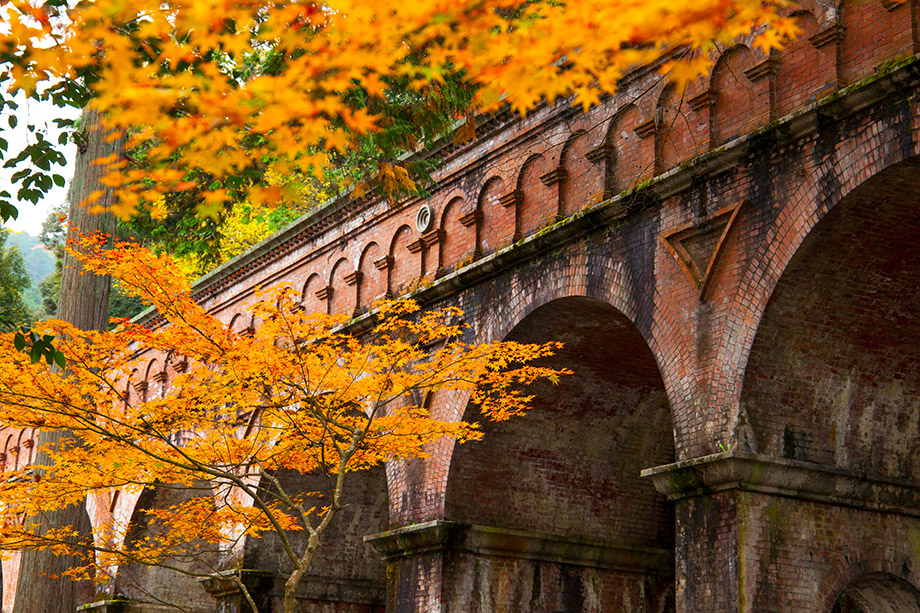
point(878, 593)
point(834, 372)
point(558, 517)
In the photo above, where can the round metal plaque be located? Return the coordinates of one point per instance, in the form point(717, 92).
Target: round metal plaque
point(423, 218)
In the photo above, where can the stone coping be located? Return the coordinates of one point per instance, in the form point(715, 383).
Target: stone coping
point(754, 472)
point(440, 535)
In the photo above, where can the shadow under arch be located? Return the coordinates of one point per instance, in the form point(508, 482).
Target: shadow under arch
point(833, 375)
point(878, 593)
point(554, 498)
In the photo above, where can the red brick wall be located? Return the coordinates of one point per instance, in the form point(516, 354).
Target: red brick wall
point(583, 185)
point(634, 159)
point(498, 223)
point(458, 241)
point(343, 295)
point(875, 32)
point(806, 71)
point(540, 203)
point(373, 284)
point(607, 422)
point(311, 303)
point(833, 376)
point(405, 266)
point(740, 104)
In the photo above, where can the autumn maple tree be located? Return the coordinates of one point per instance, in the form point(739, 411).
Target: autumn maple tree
point(213, 94)
point(299, 392)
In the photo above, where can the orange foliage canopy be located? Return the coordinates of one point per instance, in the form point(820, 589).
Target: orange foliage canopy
point(178, 74)
point(297, 392)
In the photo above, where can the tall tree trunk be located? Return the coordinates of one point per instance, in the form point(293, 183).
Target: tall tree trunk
point(84, 302)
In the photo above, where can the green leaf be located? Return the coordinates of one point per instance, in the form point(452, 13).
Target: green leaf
point(36, 354)
point(19, 341)
point(59, 359)
point(13, 121)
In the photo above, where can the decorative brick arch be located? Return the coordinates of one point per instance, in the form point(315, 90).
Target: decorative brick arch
point(739, 104)
point(538, 202)
point(612, 287)
point(497, 205)
point(404, 265)
point(803, 211)
point(372, 280)
point(457, 238)
point(343, 299)
point(632, 155)
point(311, 302)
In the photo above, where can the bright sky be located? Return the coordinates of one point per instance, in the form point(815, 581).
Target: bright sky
point(40, 115)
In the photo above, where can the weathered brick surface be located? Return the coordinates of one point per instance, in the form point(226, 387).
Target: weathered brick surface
point(789, 332)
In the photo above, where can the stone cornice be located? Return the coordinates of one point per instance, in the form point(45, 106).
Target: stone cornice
point(766, 68)
point(512, 198)
point(646, 128)
point(471, 218)
point(831, 34)
point(485, 540)
point(554, 176)
point(701, 100)
point(752, 472)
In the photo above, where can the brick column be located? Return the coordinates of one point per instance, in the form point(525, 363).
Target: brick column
point(760, 533)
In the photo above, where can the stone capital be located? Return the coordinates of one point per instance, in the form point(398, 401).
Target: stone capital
point(753, 472)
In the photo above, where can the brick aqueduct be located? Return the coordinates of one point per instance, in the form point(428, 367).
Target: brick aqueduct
point(735, 274)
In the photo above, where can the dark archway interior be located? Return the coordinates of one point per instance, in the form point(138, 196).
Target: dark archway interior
point(570, 467)
point(342, 555)
point(833, 376)
point(158, 584)
point(878, 593)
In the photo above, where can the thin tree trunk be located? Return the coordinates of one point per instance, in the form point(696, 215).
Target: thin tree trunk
point(84, 302)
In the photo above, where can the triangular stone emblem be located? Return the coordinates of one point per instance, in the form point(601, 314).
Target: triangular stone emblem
point(697, 247)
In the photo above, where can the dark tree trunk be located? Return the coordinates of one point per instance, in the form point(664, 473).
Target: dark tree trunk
point(84, 302)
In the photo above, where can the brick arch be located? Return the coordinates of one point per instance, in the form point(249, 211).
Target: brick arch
point(238, 322)
point(372, 284)
point(498, 215)
point(682, 127)
point(803, 211)
point(740, 105)
point(153, 383)
point(343, 299)
point(632, 156)
point(609, 419)
point(539, 202)
point(458, 235)
point(582, 181)
point(862, 48)
point(9, 462)
point(311, 302)
point(404, 266)
point(612, 286)
point(806, 70)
